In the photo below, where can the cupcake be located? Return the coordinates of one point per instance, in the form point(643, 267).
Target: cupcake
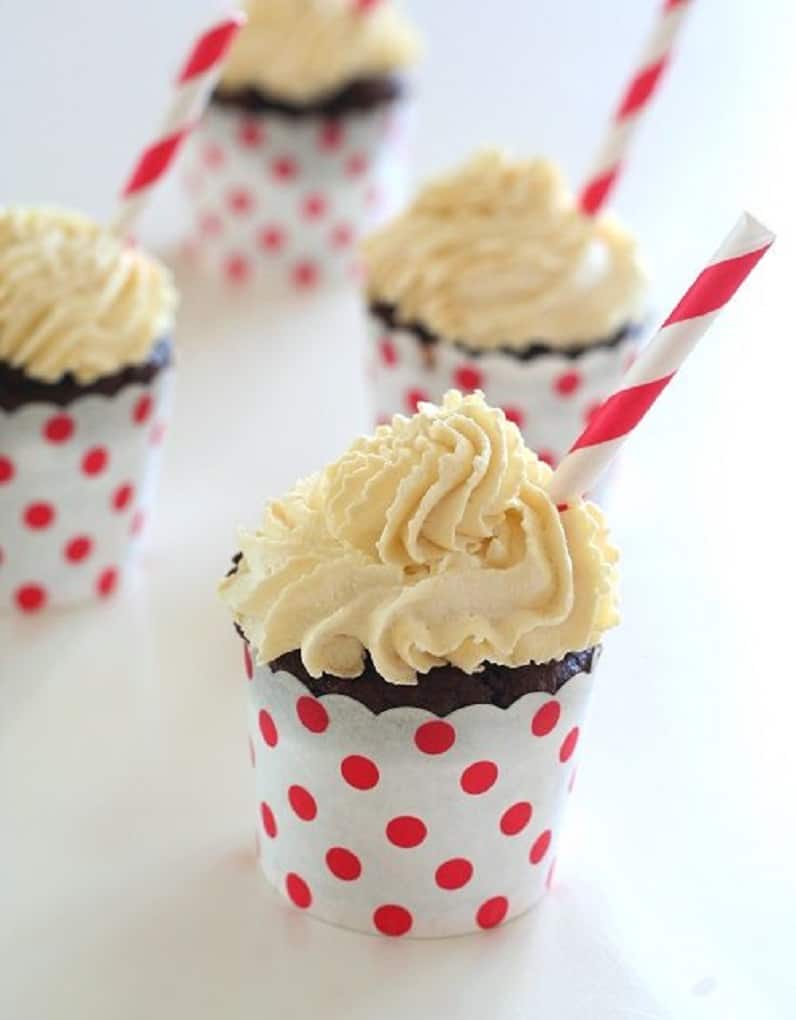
point(85, 356)
point(302, 147)
point(421, 628)
point(494, 279)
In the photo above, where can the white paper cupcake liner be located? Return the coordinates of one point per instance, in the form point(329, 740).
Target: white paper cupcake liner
point(403, 823)
point(283, 201)
point(550, 396)
point(76, 487)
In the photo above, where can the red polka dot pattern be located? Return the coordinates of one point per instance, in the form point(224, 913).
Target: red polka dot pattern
point(240, 201)
point(7, 470)
point(359, 772)
point(332, 135)
point(540, 846)
point(312, 714)
point(94, 461)
point(435, 737)
point(30, 598)
point(453, 874)
point(343, 864)
point(356, 164)
point(545, 719)
point(284, 168)
point(143, 409)
point(59, 428)
point(492, 912)
point(272, 239)
point(314, 206)
point(389, 355)
point(39, 515)
point(237, 268)
point(468, 378)
point(414, 399)
point(251, 134)
point(268, 728)
point(77, 549)
point(569, 745)
point(302, 802)
point(269, 821)
point(516, 415)
point(123, 496)
point(567, 383)
point(406, 831)
point(392, 919)
point(514, 819)
point(305, 275)
point(107, 582)
point(298, 891)
point(479, 777)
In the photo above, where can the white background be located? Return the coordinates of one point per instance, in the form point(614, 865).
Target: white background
point(127, 882)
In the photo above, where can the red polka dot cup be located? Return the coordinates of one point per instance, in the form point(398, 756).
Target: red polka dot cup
point(76, 487)
point(550, 395)
point(282, 201)
point(403, 823)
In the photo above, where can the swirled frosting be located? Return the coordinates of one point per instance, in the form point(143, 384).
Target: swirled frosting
point(301, 49)
point(432, 541)
point(75, 298)
point(497, 254)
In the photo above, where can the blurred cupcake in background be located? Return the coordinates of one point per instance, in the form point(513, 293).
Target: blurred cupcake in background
point(302, 149)
point(494, 279)
point(85, 373)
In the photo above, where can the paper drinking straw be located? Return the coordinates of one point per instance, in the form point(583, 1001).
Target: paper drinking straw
point(635, 100)
point(660, 360)
point(192, 88)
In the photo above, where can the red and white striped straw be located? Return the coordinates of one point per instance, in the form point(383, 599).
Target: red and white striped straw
point(660, 360)
point(635, 100)
point(192, 88)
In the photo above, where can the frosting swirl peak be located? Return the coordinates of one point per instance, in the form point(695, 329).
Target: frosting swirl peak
point(432, 541)
point(497, 254)
point(76, 299)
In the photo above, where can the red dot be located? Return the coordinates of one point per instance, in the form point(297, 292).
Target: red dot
point(298, 890)
point(272, 238)
point(210, 225)
point(59, 428)
point(284, 168)
point(356, 164)
point(39, 515)
point(567, 383)
point(541, 846)
point(94, 460)
point(123, 496)
point(435, 737)
point(342, 235)
point(237, 268)
point(142, 409)
point(453, 874)
point(312, 714)
point(391, 919)
point(251, 134)
point(305, 275)
point(569, 744)
point(31, 597)
point(240, 201)
point(77, 549)
point(248, 665)
point(414, 397)
point(591, 411)
point(546, 457)
point(545, 719)
point(6, 470)
point(479, 777)
point(107, 581)
point(389, 355)
point(314, 206)
point(514, 414)
point(331, 136)
point(268, 728)
point(406, 831)
point(468, 378)
point(492, 912)
point(515, 818)
point(213, 155)
point(302, 802)
point(359, 772)
point(137, 522)
point(269, 822)
point(343, 864)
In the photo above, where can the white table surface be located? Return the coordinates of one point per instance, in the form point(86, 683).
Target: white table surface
point(127, 879)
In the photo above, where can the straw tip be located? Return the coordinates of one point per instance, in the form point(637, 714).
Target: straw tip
point(757, 233)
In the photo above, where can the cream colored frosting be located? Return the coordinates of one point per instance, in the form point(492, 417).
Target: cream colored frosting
point(75, 298)
point(432, 541)
point(301, 49)
point(497, 254)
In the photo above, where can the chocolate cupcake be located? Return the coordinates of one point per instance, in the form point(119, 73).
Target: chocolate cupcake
point(302, 147)
point(85, 356)
point(421, 628)
point(494, 279)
